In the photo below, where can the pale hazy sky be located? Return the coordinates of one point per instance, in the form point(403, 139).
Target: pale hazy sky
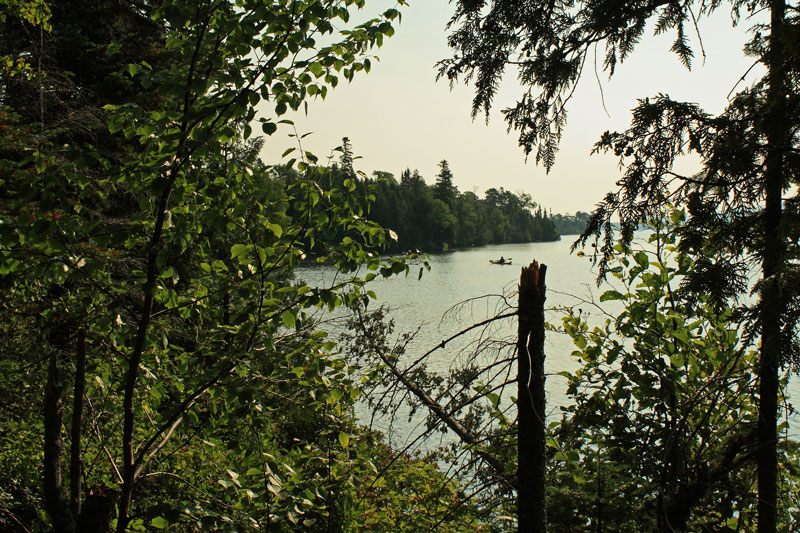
point(398, 116)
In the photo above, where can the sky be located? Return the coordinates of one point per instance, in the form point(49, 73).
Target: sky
point(399, 116)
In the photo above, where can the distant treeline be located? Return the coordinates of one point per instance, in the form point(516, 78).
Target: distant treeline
point(571, 224)
point(439, 217)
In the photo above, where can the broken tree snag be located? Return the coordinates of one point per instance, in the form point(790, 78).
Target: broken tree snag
point(530, 401)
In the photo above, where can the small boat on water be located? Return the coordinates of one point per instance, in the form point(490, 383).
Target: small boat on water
point(501, 261)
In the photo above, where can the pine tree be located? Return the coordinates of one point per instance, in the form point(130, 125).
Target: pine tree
point(346, 159)
point(742, 202)
point(444, 189)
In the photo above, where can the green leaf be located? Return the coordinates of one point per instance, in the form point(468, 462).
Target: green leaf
point(269, 127)
point(334, 396)
point(288, 317)
point(238, 250)
point(579, 341)
point(159, 522)
point(611, 295)
point(344, 439)
point(682, 335)
point(677, 359)
point(494, 398)
point(315, 69)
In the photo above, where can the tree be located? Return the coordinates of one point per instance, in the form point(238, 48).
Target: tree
point(147, 251)
point(444, 189)
point(571, 224)
point(663, 400)
point(442, 224)
point(736, 203)
point(472, 228)
point(346, 158)
point(531, 411)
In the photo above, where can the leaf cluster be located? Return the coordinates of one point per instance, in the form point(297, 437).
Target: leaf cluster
point(664, 415)
point(148, 251)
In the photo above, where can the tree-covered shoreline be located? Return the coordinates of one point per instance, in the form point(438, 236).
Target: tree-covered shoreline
point(438, 217)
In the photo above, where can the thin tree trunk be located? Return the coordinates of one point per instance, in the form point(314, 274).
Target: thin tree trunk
point(531, 443)
point(55, 500)
point(75, 466)
point(132, 375)
point(771, 304)
point(599, 515)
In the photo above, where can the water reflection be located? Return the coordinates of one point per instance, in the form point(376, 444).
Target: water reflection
point(463, 288)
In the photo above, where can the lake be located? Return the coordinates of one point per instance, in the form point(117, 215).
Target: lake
point(463, 288)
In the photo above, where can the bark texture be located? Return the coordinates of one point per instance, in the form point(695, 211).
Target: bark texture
point(55, 499)
point(771, 303)
point(531, 510)
point(76, 462)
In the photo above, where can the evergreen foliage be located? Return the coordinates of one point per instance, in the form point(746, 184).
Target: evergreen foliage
point(741, 203)
point(439, 217)
point(444, 189)
point(346, 158)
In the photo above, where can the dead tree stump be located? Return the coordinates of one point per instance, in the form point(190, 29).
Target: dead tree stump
point(531, 436)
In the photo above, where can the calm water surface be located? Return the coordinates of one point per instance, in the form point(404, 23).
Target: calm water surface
point(463, 288)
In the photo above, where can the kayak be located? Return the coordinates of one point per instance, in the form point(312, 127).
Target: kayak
point(498, 262)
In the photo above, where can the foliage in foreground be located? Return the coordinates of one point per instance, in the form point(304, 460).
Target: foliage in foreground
point(159, 367)
point(663, 423)
point(742, 202)
point(659, 430)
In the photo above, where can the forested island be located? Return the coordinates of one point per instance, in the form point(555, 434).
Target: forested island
point(162, 368)
point(440, 217)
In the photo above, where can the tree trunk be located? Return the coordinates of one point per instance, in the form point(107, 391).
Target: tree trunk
point(76, 463)
point(55, 499)
point(771, 304)
point(531, 442)
point(132, 375)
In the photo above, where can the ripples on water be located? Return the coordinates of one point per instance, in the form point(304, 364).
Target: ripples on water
point(463, 288)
